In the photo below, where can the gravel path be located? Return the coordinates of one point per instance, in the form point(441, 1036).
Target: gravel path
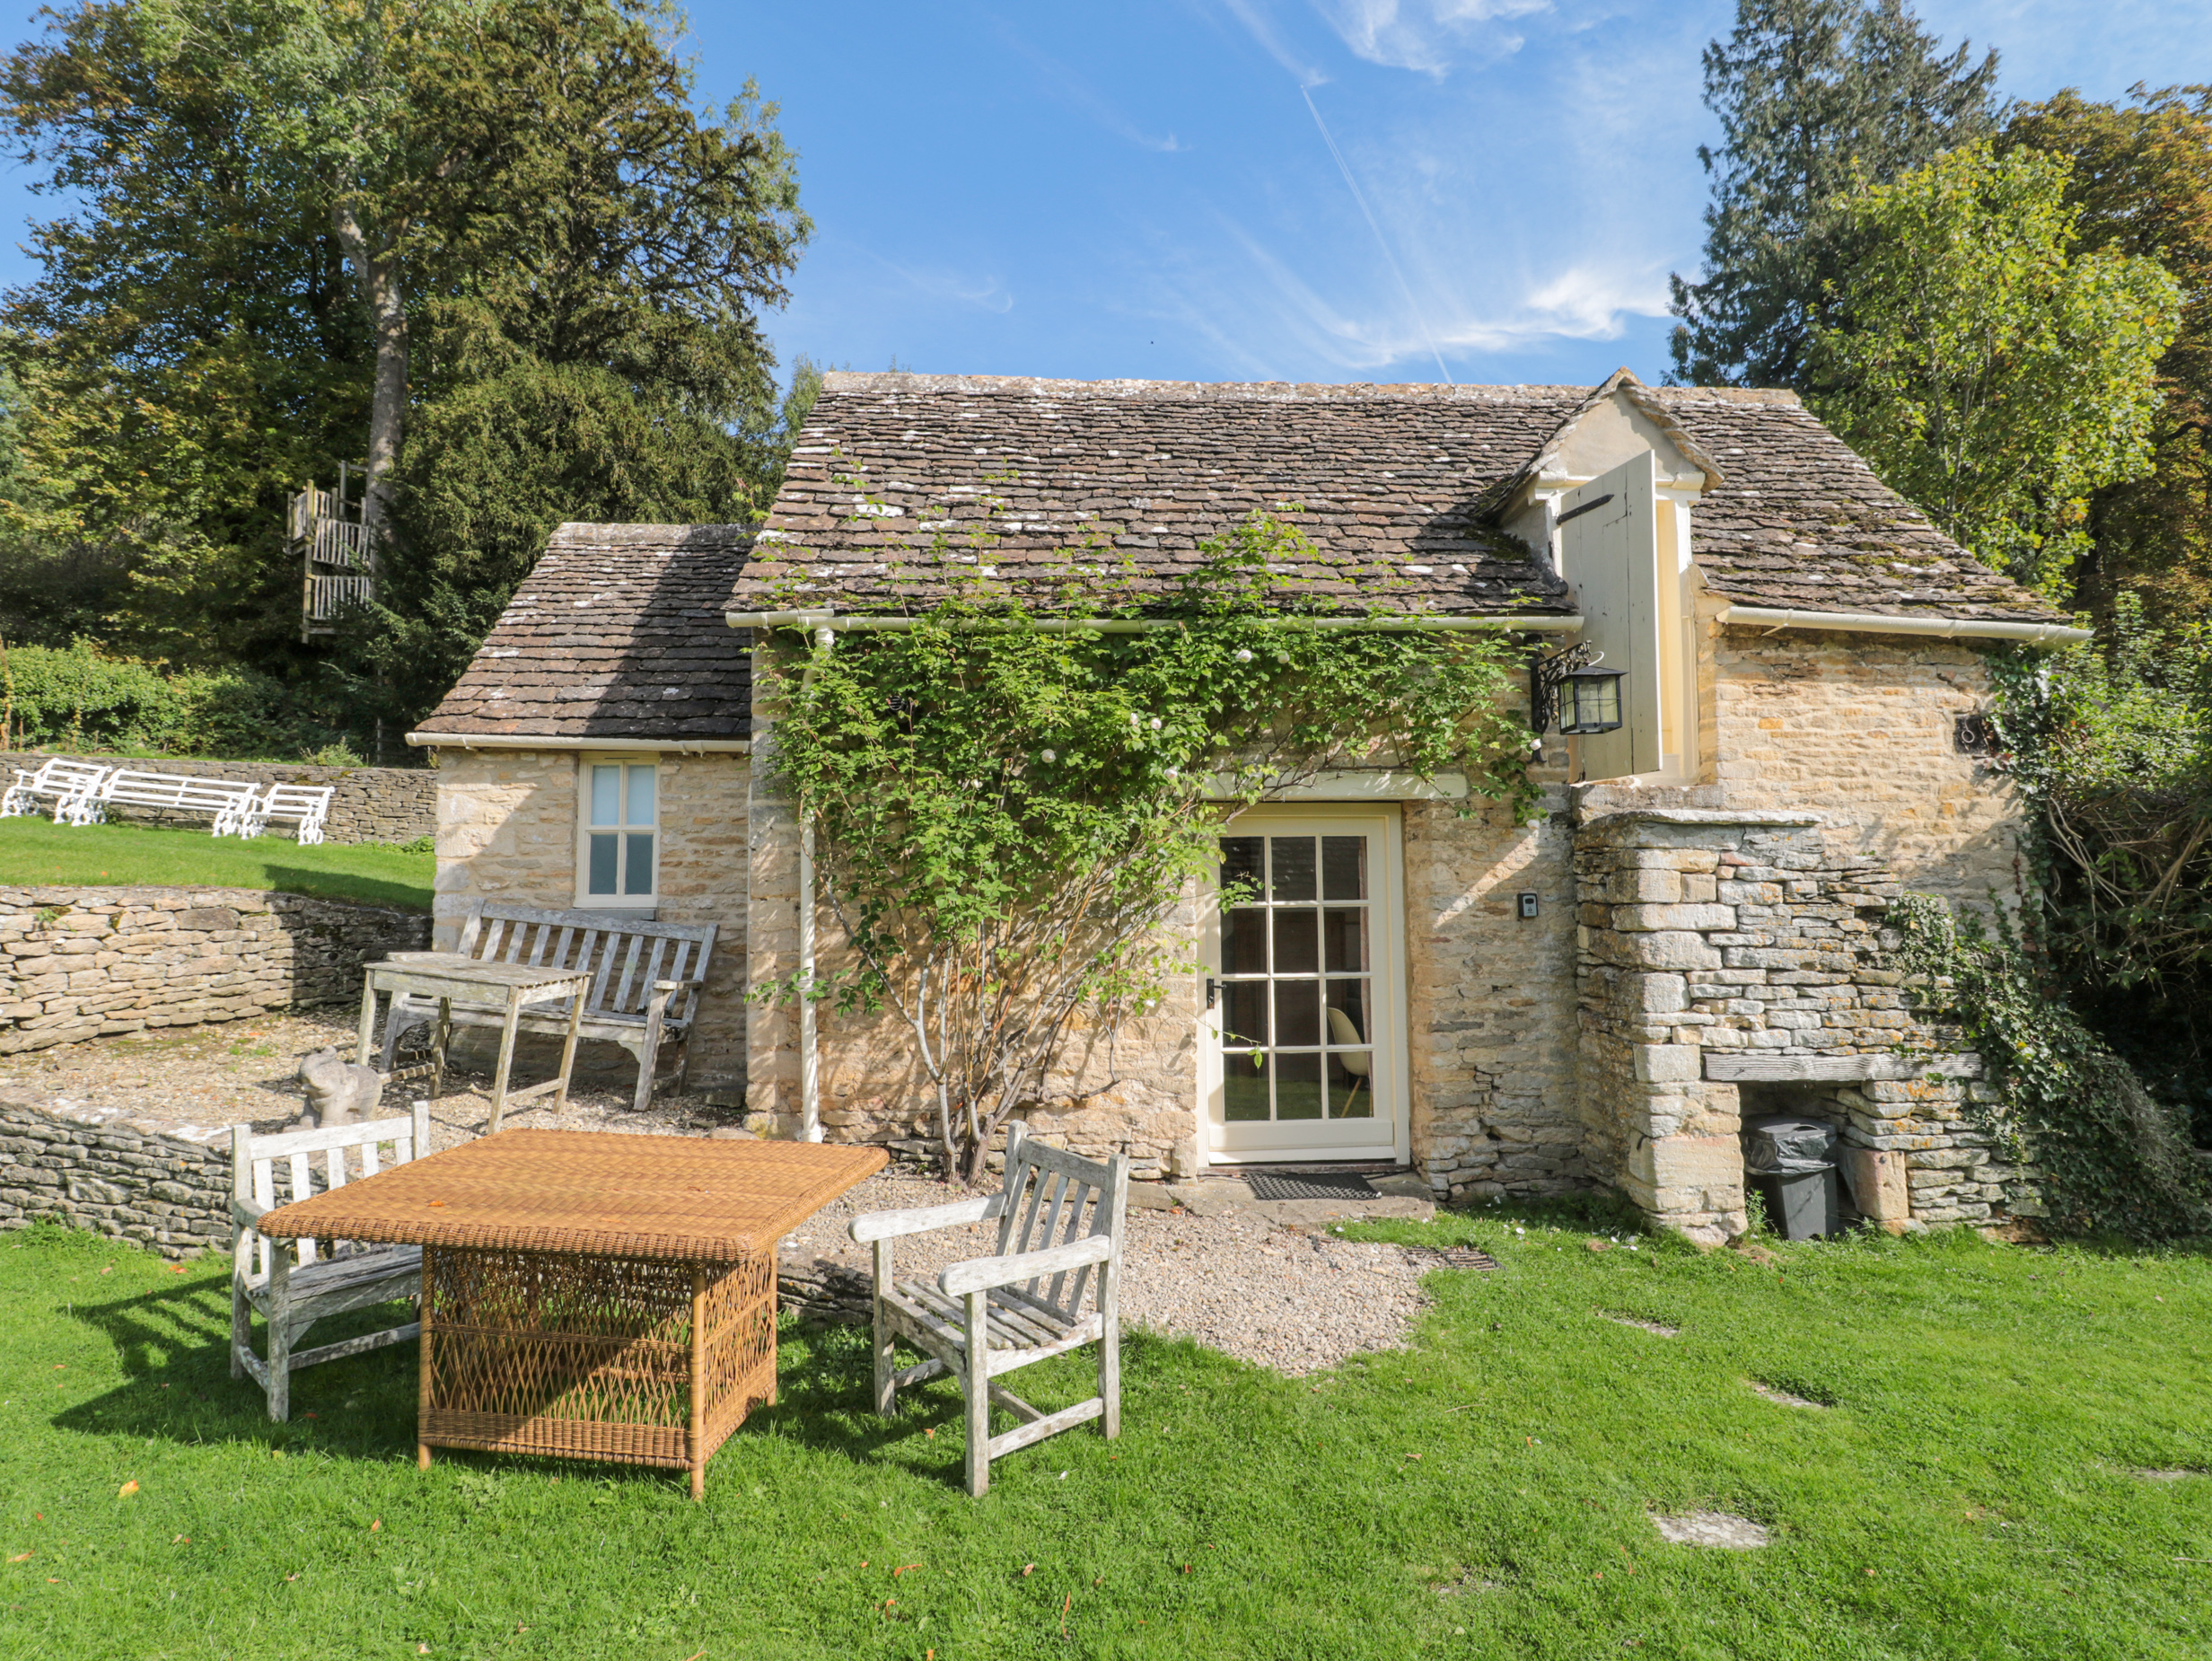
point(1294, 1299)
point(242, 1072)
point(1291, 1297)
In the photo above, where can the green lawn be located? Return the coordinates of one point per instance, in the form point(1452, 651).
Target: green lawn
point(1971, 1490)
point(35, 850)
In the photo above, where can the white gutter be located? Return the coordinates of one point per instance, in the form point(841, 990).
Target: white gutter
point(517, 740)
point(853, 622)
point(810, 1059)
point(1874, 623)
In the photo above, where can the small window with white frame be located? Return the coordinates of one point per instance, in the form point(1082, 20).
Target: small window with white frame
point(619, 843)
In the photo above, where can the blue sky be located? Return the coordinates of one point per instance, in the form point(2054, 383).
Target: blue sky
point(1277, 190)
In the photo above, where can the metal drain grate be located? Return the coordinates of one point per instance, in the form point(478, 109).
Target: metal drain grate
point(1310, 1186)
point(1462, 1257)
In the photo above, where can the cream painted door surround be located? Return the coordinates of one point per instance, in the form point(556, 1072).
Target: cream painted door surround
point(1303, 1052)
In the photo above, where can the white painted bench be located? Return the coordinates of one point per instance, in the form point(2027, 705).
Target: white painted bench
point(645, 980)
point(310, 805)
point(71, 784)
point(1059, 1217)
point(328, 1280)
point(229, 800)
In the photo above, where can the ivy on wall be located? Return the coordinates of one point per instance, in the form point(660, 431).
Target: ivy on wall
point(1009, 803)
point(2110, 1157)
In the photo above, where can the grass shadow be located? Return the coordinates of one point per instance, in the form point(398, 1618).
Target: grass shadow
point(173, 1345)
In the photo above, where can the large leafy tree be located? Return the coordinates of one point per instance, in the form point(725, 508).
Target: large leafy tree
point(1807, 91)
point(313, 227)
point(1987, 367)
point(2142, 184)
point(190, 343)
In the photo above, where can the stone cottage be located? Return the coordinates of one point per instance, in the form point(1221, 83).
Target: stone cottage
point(1690, 934)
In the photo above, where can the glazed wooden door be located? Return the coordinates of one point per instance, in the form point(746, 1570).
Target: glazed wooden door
point(1303, 1025)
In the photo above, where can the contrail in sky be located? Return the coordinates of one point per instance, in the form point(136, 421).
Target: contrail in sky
point(1352, 184)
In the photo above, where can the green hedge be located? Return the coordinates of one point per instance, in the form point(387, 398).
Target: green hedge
point(82, 699)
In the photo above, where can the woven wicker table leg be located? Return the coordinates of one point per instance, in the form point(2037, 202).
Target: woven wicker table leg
point(422, 1380)
point(699, 1381)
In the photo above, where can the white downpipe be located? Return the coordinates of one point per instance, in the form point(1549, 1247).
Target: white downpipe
point(810, 1057)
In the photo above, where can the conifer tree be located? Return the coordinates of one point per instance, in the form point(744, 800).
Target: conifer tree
point(1807, 90)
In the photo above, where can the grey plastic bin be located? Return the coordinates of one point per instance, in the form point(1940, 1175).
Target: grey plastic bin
point(1791, 1161)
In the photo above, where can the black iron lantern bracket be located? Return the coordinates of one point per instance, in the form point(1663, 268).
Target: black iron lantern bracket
point(1546, 673)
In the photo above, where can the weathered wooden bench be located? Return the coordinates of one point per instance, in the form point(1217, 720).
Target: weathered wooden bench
point(293, 1296)
point(229, 800)
point(310, 805)
point(70, 784)
point(645, 980)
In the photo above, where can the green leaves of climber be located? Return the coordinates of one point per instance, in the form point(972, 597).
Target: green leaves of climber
point(1009, 817)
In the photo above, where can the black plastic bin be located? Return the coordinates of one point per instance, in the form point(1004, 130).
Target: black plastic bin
point(1793, 1162)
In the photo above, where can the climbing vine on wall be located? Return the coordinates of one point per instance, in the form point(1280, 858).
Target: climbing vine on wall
point(1008, 807)
point(2111, 1158)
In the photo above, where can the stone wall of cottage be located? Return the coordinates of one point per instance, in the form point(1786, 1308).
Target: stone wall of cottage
point(1136, 1097)
point(1859, 728)
point(115, 1176)
point(1734, 961)
point(1491, 1000)
point(368, 804)
point(92, 962)
point(507, 830)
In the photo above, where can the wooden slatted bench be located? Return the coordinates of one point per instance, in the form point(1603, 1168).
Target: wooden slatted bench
point(645, 980)
point(230, 800)
point(71, 784)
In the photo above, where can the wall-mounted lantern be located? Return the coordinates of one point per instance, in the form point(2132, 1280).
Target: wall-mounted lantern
point(1570, 686)
point(1590, 700)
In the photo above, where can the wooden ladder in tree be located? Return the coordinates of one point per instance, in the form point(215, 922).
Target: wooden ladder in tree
point(324, 528)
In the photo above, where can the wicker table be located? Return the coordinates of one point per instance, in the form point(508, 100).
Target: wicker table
point(456, 978)
point(589, 1294)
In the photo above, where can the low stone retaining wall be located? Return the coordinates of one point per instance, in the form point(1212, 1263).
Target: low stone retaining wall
point(89, 963)
point(162, 1186)
point(371, 804)
point(168, 1188)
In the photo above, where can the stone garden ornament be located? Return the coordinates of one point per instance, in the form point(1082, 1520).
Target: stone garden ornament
point(338, 1093)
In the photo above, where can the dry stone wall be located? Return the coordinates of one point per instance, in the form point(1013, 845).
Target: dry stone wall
point(158, 1185)
point(1734, 961)
point(90, 962)
point(369, 804)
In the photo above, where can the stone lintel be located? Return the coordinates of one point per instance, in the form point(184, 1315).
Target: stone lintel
point(1750, 1067)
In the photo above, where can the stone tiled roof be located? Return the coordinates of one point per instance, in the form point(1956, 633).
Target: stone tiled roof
point(618, 633)
point(902, 483)
point(1799, 522)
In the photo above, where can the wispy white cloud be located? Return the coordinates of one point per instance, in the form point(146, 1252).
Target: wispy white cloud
point(986, 294)
point(1253, 15)
point(1428, 36)
point(1267, 315)
point(1070, 88)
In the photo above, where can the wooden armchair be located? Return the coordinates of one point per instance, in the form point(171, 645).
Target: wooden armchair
point(1059, 1217)
point(345, 1275)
